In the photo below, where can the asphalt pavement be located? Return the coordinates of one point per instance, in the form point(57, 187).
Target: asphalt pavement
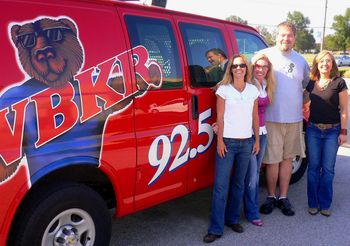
point(184, 221)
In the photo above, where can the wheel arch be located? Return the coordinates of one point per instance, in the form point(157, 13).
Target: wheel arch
point(83, 173)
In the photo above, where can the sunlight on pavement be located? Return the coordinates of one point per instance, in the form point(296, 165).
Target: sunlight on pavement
point(344, 151)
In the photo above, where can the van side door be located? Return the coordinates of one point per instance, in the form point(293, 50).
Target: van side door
point(199, 37)
point(161, 115)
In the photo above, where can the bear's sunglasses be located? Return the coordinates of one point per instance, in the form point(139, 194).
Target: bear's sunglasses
point(55, 34)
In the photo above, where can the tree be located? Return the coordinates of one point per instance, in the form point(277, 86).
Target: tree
point(341, 26)
point(234, 18)
point(305, 39)
point(329, 43)
point(266, 34)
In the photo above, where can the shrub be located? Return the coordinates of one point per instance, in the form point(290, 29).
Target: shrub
point(344, 72)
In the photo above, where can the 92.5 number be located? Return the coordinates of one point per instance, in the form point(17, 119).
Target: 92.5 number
point(184, 153)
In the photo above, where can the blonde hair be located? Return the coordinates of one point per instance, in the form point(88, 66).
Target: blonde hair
point(228, 77)
point(270, 77)
point(315, 74)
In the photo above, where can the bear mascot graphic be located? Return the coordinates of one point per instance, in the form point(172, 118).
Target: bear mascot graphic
point(51, 54)
point(49, 50)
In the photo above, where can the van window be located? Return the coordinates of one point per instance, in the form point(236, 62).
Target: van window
point(198, 40)
point(248, 43)
point(158, 38)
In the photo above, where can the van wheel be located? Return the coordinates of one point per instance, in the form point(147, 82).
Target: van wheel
point(299, 167)
point(65, 214)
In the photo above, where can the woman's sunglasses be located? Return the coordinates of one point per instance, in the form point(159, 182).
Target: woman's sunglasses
point(242, 65)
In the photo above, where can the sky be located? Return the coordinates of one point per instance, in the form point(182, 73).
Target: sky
point(268, 13)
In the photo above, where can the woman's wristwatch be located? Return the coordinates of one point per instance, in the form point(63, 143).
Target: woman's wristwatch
point(344, 131)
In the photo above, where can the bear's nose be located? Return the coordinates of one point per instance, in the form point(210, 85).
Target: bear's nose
point(45, 54)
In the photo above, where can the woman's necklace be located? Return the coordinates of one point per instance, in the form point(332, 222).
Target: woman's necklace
point(323, 83)
point(239, 88)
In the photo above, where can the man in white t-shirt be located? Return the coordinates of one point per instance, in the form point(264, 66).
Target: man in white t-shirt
point(284, 118)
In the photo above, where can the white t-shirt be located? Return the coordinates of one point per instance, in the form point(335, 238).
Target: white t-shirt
point(263, 94)
point(238, 115)
point(292, 75)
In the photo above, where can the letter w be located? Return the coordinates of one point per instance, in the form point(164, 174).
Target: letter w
point(12, 136)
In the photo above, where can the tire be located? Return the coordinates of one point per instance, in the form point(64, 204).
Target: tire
point(65, 214)
point(299, 166)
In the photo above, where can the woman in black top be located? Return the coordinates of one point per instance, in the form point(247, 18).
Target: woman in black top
point(327, 99)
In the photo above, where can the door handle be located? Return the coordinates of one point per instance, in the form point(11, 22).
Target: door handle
point(194, 107)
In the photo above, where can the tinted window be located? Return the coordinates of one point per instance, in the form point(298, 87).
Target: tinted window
point(198, 40)
point(248, 43)
point(158, 38)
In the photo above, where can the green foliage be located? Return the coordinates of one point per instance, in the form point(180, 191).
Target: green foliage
point(234, 18)
point(305, 39)
point(298, 19)
point(309, 58)
point(341, 26)
point(344, 72)
point(266, 34)
point(329, 43)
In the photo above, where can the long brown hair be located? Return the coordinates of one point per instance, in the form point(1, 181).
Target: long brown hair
point(315, 74)
point(270, 77)
point(228, 77)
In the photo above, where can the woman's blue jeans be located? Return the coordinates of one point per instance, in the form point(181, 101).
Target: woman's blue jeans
point(228, 189)
point(322, 148)
point(251, 192)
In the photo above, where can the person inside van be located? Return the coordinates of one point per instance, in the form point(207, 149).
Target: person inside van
point(218, 60)
point(236, 99)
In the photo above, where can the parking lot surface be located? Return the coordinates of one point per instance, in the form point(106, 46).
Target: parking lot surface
point(184, 221)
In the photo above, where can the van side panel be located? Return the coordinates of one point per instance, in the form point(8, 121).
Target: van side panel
point(101, 92)
point(161, 116)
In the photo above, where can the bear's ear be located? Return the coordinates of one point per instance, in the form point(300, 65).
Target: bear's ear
point(69, 24)
point(14, 32)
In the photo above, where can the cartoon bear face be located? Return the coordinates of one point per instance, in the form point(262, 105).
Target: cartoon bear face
point(49, 50)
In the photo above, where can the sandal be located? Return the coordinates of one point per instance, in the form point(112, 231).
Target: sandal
point(257, 222)
point(326, 212)
point(313, 211)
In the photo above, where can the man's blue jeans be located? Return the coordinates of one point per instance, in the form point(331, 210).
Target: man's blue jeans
point(322, 152)
point(251, 192)
point(228, 189)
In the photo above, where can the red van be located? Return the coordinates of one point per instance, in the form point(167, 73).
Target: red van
point(103, 104)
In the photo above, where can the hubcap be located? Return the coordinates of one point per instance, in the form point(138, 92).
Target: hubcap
point(296, 163)
point(67, 235)
point(72, 227)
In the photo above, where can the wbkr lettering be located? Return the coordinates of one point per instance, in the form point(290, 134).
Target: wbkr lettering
point(93, 83)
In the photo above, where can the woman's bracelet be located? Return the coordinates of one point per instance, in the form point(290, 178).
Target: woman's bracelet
point(344, 131)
